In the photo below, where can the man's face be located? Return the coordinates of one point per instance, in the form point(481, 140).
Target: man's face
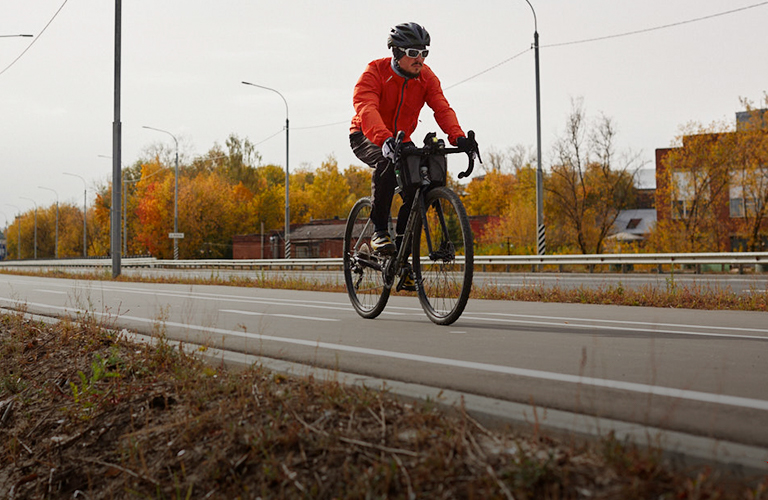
point(411, 65)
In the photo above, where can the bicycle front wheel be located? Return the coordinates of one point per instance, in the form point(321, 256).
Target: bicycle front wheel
point(362, 269)
point(444, 273)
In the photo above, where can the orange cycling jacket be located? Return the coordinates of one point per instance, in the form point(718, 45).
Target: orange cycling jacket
point(385, 102)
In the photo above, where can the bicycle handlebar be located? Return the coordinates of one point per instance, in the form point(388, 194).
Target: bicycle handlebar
point(438, 147)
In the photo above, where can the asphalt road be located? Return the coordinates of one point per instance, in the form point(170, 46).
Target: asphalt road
point(737, 283)
point(699, 372)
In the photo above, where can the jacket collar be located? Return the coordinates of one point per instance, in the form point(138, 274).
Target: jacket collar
point(399, 72)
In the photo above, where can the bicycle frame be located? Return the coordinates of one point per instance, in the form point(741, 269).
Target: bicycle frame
point(435, 212)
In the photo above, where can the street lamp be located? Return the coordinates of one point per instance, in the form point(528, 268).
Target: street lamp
point(33, 201)
point(12, 36)
point(18, 242)
point(56, 248)
point(287, 190)
point(117, 146)
point(175, 195)
point(85, 226)
point(541, 238)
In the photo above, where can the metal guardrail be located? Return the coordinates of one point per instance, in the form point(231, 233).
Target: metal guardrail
point(739, 259)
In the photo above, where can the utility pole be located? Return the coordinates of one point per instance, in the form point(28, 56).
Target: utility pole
point(116, 151)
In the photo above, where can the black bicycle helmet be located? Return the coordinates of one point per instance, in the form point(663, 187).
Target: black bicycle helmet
point(407, 35)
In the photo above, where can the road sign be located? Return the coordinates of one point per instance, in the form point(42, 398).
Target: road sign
point(176, 236)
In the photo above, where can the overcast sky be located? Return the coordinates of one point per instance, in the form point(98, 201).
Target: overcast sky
point(183, 61)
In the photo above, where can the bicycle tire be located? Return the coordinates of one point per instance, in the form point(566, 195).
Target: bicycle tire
point(444, 281)
point(365, 285)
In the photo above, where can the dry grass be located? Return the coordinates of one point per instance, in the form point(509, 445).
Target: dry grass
point(87, 414)
point(674, 295)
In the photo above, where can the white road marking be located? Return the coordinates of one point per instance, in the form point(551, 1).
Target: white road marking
point(572, 323)
point(705, 397)
point(624, 322)
point(583, 323)
point(293, 316)
point(50, 291)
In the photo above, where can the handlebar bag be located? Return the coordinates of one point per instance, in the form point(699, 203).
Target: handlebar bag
point(436, 169)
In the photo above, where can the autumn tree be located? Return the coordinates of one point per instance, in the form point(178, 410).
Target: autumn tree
point(515, 229)
point(222, 193)
point(359, 181)
point(489, 194)
point(329, 192)
point(589, 184)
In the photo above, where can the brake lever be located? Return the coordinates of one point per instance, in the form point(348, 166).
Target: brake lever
point(398, 145)
point(471, 155)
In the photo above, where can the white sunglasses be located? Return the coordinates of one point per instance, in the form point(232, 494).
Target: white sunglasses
point(414, 53)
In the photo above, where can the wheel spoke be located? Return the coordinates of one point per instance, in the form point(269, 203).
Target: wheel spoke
point(444, 280)
point(362, 274)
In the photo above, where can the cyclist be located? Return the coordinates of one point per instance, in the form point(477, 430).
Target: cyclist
point(387, 98)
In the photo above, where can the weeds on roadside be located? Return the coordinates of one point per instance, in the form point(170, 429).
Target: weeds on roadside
point(160, 424)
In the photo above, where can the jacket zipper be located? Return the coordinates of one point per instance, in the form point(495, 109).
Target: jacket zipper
point(400, 103)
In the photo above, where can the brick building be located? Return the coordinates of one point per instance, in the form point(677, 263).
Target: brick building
point(317, 239)
point(728, 208)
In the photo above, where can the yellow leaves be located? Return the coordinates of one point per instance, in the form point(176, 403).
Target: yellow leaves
point(489, 194)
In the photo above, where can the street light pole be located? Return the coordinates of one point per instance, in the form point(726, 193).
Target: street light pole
point(541, 239)
point(33, 202)
point(117, 129)
point(287, 189)
point(175, 194)
point(56, 249)
point(18, 241)
point(85, 225)
point(124, 200)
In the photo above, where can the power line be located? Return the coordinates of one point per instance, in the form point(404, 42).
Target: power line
point(270, 137)
point(320, 126)
point(36, 38)
point(505, 61)
point(656, 28)
point(618, 35)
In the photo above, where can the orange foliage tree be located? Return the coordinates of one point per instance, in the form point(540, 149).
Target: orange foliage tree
point(329, 192)
point(515, 229)
point(221, 193)
point(489, 194)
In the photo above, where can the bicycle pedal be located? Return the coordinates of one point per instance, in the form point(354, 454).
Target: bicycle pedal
point(385, 252)
point(406, 283)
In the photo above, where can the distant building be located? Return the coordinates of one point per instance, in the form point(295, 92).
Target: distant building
point(3, 252)
point(634, 224)
point(728, 211)
point(316, 239)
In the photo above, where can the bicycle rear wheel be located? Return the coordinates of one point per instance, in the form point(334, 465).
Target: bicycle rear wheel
point(362, 269)
point(443, 276)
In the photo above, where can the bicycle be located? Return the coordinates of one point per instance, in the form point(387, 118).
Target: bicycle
point(437, 235)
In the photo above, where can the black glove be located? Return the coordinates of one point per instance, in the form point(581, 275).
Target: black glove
point(388, 149)
point(466, 145)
